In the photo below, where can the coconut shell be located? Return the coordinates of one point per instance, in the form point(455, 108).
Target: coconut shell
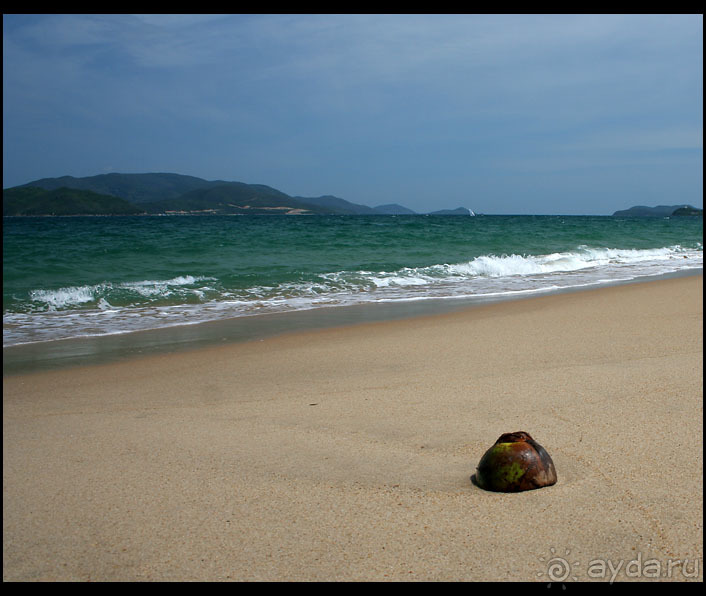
point(516, 462)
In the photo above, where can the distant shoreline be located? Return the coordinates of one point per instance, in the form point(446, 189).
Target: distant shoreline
point(191, 214)
point(160, 192)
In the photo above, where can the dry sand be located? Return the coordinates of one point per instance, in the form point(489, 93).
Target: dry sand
point(346, 454)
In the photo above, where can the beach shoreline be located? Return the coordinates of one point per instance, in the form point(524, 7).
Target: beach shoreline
point(345, 453)
point(105, 349)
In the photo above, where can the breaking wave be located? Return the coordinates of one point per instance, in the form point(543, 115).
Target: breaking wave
point(109, 308)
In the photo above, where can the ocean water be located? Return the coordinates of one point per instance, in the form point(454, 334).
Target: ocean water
point(79, 277)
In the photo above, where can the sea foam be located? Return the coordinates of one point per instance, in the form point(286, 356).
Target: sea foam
point(102, 293)
point(188, 299)
point(63, 297)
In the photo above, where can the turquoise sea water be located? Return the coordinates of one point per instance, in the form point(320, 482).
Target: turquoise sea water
point(97, 276)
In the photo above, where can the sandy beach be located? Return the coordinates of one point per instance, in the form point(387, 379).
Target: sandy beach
point(345, 454)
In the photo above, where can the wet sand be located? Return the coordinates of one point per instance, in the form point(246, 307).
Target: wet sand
point(345, 454)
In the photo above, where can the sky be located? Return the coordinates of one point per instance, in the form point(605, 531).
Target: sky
point(502, 114)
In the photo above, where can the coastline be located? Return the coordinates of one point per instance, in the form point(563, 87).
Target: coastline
point(345, 453)
point(104, 349)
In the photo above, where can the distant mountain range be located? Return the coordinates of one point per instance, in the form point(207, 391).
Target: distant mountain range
point(167, 194)
point(177, 194)
point(659, 211)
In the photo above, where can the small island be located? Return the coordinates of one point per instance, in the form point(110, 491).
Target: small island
point(659, 211)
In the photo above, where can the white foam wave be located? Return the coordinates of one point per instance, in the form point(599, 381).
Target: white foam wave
point(582, 258)
point(55, 299)
point(77, 295)
point(505, 266)
point(192, 299)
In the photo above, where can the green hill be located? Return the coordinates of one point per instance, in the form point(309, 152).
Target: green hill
point(234, 197)
point(336, 205)
point(394, 209)
point(135, 188)
point(175, 193)
point(62, 201)
point(687, 211)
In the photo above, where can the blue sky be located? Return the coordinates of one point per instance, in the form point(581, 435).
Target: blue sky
point(555, 114)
